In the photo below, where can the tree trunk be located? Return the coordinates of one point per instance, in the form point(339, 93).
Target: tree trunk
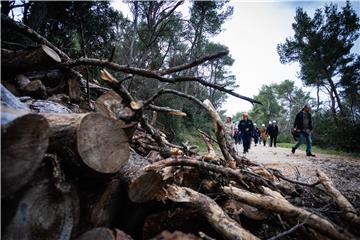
point(39, 58)
point(44, 213)
point(25, 138)
point(99, 141)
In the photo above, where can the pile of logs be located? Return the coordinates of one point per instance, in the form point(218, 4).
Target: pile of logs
point(74, 168)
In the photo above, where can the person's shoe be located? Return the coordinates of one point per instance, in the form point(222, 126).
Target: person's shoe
point(310, 155)
point(293, 150)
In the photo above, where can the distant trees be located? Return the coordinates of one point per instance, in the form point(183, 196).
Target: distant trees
point(322, 45)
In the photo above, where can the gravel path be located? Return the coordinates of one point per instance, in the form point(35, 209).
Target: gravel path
point(343, 171)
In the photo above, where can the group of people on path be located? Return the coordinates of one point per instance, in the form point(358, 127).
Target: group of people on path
point(246, 130)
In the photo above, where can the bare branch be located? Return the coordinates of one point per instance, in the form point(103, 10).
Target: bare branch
point(278, 174)
point(193, 64)
point(168, 110)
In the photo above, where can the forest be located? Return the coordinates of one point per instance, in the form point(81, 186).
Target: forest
point(103, 115)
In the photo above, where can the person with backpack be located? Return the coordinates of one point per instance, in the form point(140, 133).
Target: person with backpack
point(303, 126)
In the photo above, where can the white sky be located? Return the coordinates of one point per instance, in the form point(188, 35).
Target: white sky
point(252, 35)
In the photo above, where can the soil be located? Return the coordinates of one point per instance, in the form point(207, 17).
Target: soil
point(343, 171)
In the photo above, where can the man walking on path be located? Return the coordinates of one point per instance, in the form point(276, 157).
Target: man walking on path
point(246, 128)
point(303, 125)
point(273, 132)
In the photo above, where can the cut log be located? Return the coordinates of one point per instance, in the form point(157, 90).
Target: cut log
point(25, 138)
point(99, 141)
point(142, 185)
point(39, 58)
point(218, 219)
point(273, 201)
point(44, 213)
point(350, 211)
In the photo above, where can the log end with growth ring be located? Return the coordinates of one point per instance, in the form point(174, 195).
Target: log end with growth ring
point(102, 143)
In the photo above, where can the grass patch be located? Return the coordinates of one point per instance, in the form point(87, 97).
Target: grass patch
point(316, 149)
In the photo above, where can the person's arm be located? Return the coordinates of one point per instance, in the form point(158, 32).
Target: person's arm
point(310, 122)
point(296, 121)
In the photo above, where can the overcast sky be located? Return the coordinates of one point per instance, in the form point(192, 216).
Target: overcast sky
point(252, 35)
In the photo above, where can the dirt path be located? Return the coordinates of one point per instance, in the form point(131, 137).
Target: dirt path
point(343, 171)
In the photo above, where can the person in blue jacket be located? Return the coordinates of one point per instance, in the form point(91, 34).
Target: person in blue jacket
point(303, 125)
point(246, 128)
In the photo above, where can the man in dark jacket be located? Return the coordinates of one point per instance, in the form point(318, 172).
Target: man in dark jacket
point(246, 128)
point(273, 132)
point(303, 125)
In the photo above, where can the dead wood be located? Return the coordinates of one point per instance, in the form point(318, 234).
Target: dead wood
point(104, 234)
point(74, 90)
point(142, 185)
point(48, 106)
point(44, 213)
point(25, 138)
point(177, 235)
point(240, 175)
point(193, 63)
point(273, 201)
point(30, 88)
point(167, 110)
point(28, 32)
point(219, 220)
point(99, 141)
point(102, 207)
point(23, 61)
point(350, 211)
point(211, 155)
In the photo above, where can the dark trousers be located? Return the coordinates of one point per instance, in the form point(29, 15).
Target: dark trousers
point(273, 140)
point(246, 138)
